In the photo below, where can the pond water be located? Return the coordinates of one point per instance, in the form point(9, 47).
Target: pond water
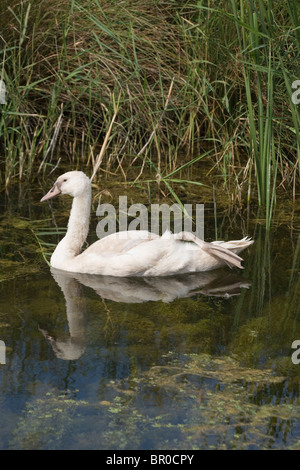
point(193, 362)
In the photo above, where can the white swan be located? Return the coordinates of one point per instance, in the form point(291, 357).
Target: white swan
point(139, 253)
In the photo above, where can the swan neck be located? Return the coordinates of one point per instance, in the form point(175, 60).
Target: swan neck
point(78, 226)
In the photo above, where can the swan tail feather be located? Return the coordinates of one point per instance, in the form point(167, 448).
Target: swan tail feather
point(231, 259)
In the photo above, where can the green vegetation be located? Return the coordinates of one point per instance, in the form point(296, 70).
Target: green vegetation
point(110, 84)
point(198, 403)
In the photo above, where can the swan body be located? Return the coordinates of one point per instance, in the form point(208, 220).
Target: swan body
point(132, 253)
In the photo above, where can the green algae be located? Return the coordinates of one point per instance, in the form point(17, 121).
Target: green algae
point(206, 402)
point(19, 252)
point(46, 421)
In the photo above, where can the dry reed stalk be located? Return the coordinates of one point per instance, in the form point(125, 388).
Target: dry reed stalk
point(103, 148)
point(154, 131)
point(51, 147)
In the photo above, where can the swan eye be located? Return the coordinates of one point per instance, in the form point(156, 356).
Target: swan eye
point(65, 180)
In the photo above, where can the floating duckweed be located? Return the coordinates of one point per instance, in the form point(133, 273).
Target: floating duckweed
point(212, 401)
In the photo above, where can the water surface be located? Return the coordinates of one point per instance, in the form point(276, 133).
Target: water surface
point(191, 362)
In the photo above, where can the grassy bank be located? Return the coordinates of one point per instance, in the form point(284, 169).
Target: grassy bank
point(152, 81)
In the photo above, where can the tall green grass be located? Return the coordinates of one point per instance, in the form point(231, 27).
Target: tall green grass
point(267, 75)
point(187, 77)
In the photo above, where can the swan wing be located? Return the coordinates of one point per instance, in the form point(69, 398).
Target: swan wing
point(120, 242)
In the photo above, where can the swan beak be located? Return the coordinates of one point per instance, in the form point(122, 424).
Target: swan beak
point(55, 191)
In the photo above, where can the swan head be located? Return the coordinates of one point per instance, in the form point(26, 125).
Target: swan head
point(73, 183)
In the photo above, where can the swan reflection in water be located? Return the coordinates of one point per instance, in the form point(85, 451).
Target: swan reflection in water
point(131, 290)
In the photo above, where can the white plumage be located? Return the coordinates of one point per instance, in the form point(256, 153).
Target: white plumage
point(132, 253)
